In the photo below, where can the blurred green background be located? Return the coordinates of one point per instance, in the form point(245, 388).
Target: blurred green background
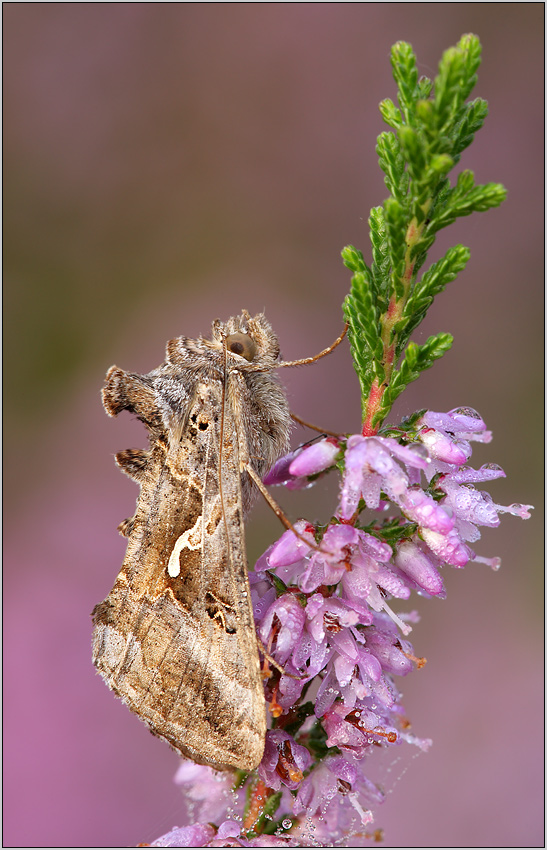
point(165, 164)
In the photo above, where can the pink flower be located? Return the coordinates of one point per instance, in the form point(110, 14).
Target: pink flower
point(420, 567)
point(197, 835)
point(284, 761)
point(315, 458)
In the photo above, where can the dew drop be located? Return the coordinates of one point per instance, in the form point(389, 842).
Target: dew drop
point(467, 411)
point(287, 823)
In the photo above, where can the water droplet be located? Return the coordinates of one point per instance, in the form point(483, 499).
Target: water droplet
point(494, 466)
point(467, 411)
point(286, 823)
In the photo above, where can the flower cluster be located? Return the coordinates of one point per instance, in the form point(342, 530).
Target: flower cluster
point(332, 643)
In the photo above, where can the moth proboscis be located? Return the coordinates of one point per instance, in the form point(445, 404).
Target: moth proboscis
point(175, 638)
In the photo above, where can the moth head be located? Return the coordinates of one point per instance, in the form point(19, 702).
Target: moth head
point(241, 344)
point(250, 338)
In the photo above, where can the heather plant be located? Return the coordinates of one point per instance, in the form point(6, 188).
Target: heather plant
point(408, 507)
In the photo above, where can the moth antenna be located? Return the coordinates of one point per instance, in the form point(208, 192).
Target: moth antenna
point(221, 434)
point(314, 427)
point(323, 353)
point(278, 511)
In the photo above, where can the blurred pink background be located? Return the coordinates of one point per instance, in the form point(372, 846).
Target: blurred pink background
point(166, 164)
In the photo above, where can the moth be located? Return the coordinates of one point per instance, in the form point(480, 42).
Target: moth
point(175, 638)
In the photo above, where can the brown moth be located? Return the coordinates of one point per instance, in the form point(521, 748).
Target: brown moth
point(175, 637)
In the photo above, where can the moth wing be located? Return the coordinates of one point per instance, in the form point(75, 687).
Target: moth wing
point(175, 638)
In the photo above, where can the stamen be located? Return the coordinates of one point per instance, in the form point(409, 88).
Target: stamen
point(404, 627)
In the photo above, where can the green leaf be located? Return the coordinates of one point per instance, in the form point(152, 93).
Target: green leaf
point(364, 329)
point(472, 120)
point(391, 115)
point(471, 49)
point(405, 74)
point(392, 164)
point(441, 164)
point(417, 358)
point(353, 259)
point(380, 254)
point(456, 79)
point(464, 199)
point(425, 87)
point(431, 284)
point(414, 152)
point(396, 227)
point(438, 275)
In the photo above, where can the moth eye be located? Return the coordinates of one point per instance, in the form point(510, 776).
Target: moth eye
point(241, 344)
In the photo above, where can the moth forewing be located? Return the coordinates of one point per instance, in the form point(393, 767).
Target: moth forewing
point(175, 637)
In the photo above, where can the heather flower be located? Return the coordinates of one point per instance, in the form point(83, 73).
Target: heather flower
point(422, 509)
point(290, 617)
point(291, 548)
point(441, 447)
point(280, 471)
point(284, 761)
point(419, 566)
point(373, 465)
point(294, 469)
point(328, 614)
point(315, 458)
point(352, 631)
point(197, 835)
point(336, 797)
point(356, 730)
point(210, 791)
point(383, 640)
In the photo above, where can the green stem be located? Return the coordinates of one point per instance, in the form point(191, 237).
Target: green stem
point(373, 404)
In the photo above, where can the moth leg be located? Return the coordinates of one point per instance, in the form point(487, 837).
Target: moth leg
point(128, 391)
point(263, 651)
point(278, 511)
